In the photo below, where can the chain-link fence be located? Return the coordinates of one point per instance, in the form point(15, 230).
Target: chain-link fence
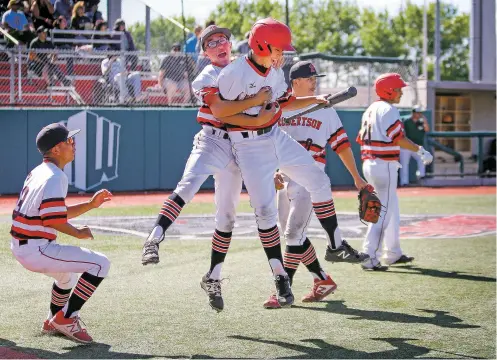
point(86, 76)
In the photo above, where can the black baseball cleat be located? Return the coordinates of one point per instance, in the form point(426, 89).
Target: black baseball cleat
point(213, 290)
point(368, 265)
point(345, 253)
point(284, 291)
point(403, 260)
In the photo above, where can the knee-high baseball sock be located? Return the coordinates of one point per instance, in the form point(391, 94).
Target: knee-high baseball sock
point(170, 211)
point(84, 289)
point(59, 299)
point(310, 260)
point(325, 212)
point(270, 239)
point(220, 245)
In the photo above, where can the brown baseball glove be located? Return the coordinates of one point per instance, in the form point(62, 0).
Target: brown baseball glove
point(369, 205)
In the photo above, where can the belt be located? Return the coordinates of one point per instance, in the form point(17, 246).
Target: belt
point(225, 136)
point(262, 131)
point(25, 242)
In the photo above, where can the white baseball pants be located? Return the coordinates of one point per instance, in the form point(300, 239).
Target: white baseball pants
point(259, 156)
point(405, 158)
point(212, 155)
point(383, 176)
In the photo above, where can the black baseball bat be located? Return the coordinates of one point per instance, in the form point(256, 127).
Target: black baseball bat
point(333, 99)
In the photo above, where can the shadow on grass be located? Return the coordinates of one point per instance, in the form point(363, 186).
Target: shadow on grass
point(440, 318)
point(9, 350)
point(320, 349)
point(414, 270)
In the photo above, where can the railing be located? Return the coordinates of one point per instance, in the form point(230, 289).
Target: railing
point(480, 135)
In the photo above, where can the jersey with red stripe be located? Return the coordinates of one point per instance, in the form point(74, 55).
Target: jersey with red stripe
point(241, 80)
point(204, 87)
point(315, 130)
point(381, 129)
point(41, 204)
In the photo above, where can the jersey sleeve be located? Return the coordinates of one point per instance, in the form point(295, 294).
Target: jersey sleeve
point(338, 139)
point(205, 88)
point(392, 124)
point(230, 84)
point(53, 208)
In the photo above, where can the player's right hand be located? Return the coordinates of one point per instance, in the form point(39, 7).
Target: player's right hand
point(267, 112)
point(279, 183)
point(84, 232)
point(264, 95)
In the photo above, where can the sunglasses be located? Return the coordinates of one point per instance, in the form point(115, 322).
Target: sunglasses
point(214, 43)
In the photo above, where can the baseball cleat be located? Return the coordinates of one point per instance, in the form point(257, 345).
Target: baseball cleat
point(48, 329)
point(73, 328)
point(345, 253)
point(373, 265)
point(403, 260)
point(213, 289)
point(283, 291)
point(320, 290)
point(272, 303)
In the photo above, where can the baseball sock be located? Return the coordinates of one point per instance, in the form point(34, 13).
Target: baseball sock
point(220, 245)
point(310, 260)
point(270, 239)
point(167, 215)
point(84, 289)
point(325, 212)
point(59, 298)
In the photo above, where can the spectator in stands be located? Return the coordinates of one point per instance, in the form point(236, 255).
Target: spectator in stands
point(191, 44)
point(101, 26)
point(79, 21)
point(415, 129)
point(42, 11)
point(16, 23)
point(243, 47)
point(43, 63)
point(63, 8)
point(113, 70)
point(129, 44)
point(177, 70)
point(61, 24)
point(92, 12)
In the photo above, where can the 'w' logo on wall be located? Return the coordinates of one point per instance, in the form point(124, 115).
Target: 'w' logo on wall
point(97, 150)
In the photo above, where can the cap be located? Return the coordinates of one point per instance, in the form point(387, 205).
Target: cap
point(303, 69)
point(118, 23)
point(211, 30)
point(176, 46)
point(41, 29)
point(51, 135)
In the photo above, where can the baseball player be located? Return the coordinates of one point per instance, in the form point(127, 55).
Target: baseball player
point(260, 150)
point(211, 155)
point(381, 137)
point(313, 131)
point(39, 214)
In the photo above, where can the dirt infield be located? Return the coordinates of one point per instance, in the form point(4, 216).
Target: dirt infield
point(156, 198)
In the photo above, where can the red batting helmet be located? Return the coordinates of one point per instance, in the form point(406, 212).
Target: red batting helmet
point(385, 84)
point(267, 32)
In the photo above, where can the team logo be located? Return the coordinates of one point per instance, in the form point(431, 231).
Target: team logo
point(97, 150)
point(312, 68)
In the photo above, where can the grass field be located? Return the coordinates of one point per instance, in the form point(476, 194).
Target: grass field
point(443, 306)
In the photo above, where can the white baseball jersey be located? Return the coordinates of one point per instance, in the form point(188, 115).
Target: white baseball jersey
point(231, 87)
point(204, 87)
point(314, 130)
point(381, 129)
point(41, 204)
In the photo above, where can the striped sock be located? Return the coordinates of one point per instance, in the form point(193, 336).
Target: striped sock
point(325, 212)
point(220, 245)
point(270, 239)
point(84, 289)
point(170, 211)
point(310, 260)
point(59, 299)
point(292, 258)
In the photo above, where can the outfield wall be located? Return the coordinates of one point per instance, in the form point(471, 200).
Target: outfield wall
point(121, 149)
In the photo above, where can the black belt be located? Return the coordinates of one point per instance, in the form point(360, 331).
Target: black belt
point(225, 136)
point(259, 131)
point(25, 242)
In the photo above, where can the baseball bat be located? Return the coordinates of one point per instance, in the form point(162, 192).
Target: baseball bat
point(333, 99)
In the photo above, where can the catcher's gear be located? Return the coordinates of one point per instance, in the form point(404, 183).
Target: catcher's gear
point(425, 156)
point(385, 84)
point(369, 205)
point(269, 32)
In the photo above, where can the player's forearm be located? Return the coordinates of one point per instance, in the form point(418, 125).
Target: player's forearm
point(225, 108)
point(348, 160)
point(67, 229)
point(78, 209)
point(301, 102)
point(244, 120)
point(407, 144)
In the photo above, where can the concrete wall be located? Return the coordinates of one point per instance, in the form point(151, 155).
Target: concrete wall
point(483, 115)
point(482, 42)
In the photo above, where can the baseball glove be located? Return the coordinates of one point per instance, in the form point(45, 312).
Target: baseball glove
point(369, 205)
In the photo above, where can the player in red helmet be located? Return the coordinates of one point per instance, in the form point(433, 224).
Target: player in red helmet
point(381, 137)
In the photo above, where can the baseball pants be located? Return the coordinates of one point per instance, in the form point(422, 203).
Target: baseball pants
point(405, 158)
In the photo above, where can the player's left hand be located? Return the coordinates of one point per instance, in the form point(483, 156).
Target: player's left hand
point(279, 183)
point(322, 99)
point(360, 183)
point(100, 197)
